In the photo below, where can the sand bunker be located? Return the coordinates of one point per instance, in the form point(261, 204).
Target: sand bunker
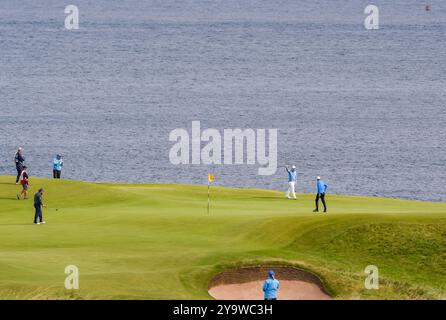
point(246, 284)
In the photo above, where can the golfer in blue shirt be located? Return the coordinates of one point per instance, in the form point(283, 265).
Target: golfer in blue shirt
point(321, 188)
point(270, 287)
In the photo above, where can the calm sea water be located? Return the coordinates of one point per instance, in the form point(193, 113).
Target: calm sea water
point(363, 109)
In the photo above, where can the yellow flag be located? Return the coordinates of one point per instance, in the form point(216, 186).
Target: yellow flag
point(211, 177)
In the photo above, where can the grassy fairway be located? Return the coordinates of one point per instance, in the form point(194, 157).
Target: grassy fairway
point(155, 241)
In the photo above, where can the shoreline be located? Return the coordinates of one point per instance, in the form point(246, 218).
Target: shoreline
point(123, 183)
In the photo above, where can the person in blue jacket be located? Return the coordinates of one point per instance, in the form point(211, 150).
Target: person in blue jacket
point(321, 188)
point(270, 287)
point(57, 166)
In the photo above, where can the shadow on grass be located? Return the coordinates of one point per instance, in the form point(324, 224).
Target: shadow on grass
point(11, 198)
point(270, 197)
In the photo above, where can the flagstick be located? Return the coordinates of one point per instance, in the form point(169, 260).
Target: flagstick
point(209, 200)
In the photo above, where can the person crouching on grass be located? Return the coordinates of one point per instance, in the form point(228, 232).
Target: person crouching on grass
point(38, 204)
point(321, 188)
point(24, 182)
point(270, 287)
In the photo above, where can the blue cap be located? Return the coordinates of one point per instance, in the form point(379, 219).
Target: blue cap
point(271, 273)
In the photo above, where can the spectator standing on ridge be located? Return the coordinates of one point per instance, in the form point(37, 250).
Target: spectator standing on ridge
point(57, 166)
point(270, 287)
point(19, 159)
point(321, 188)
point(292, 177)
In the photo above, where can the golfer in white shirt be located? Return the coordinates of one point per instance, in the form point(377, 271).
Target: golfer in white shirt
point(292, 177)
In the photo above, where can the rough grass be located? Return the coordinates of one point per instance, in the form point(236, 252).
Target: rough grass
point(155, 241)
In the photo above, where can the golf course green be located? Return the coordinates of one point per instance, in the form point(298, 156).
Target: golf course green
point(156, 241)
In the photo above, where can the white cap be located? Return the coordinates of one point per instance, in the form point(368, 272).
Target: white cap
point(293, 167)
point(318, 178)
point(20, 149)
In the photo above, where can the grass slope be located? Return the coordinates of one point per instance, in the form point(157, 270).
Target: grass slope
point(155, 241)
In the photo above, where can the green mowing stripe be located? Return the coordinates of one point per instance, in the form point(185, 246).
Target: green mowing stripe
point(155, 241)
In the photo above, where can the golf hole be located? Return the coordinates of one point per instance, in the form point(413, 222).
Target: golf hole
point(246, 284)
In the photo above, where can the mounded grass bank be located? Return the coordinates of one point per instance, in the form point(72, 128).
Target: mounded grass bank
point(155, 241)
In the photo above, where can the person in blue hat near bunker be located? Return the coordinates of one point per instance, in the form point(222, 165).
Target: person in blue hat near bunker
point(270, 287)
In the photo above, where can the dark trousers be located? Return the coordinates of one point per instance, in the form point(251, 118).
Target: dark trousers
point(19, 172)
point(56, 174)
point(38, 214)
point(322, 197)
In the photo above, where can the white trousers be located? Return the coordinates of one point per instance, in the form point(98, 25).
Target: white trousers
point(291, 185)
